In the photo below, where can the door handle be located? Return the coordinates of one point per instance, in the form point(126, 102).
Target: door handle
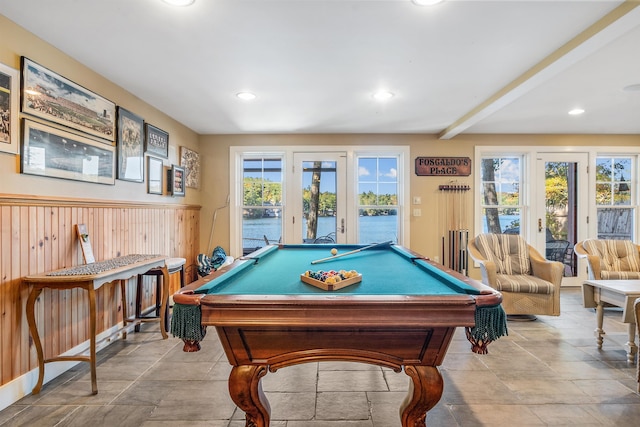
point(342, 226)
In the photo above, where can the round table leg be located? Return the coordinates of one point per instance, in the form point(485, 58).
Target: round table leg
point(599, 332)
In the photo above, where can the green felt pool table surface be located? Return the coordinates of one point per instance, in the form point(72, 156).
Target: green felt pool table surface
point(386, 270)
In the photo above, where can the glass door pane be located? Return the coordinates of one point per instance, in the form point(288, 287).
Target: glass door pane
point(319, 213)
point(319, 201)
point(558, 220)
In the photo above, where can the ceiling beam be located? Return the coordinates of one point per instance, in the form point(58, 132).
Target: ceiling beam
point(613, 25)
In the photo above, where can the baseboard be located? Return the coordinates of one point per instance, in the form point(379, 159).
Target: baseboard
point(22, 386)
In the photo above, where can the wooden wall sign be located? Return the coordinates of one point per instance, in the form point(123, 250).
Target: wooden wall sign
point(443, 166)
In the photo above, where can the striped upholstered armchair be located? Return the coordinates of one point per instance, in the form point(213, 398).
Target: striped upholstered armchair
point(610, 259)
point(529, 283)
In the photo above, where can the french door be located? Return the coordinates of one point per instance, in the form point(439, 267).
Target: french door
point(559, 209)
point(319, 213)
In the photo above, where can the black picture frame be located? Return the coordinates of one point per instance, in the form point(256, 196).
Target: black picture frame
point(48, 95)
point(9, 109)
point(53, 152)
point(154, 175)
point(175, 181)
point(156, 141)
point(130, 146)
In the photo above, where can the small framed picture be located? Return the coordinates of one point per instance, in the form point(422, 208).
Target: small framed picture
point(154, 175)
point(156, 141)
point(190, 161)
point(9, 96)
point(176, 180)
point(130, 149)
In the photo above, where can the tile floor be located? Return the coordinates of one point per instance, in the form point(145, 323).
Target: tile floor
point(545, 373)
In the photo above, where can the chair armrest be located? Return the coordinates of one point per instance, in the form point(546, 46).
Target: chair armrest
point(593, 262)
point(488, 269)
point(551, 271)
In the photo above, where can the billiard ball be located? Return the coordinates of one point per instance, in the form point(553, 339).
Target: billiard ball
point(334, 251)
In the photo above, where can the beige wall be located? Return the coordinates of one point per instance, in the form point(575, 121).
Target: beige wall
point(425, 234)
point(16, 42)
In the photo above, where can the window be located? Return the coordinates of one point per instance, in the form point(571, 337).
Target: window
point(262, 201)
point(614, 200)
point(363, 192)
point(378, 199)
point(501, 200)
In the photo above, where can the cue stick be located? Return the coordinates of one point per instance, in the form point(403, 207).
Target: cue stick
point(375, 245)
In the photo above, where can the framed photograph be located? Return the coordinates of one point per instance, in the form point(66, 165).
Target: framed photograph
point(156, 141)
point(190, 161)
point(9, 96)
point(154, 175)
point(176, 180)
point(130, 149)
point(52, 97)
point(53, 152)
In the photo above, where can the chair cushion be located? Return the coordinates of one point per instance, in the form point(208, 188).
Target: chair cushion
point(509, 252)
point(615, 255)
point(523, 283)
point(617, 275)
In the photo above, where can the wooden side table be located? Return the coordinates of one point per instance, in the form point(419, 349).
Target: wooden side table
point(89, 277)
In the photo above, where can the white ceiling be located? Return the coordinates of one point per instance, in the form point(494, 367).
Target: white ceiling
point(470, 66)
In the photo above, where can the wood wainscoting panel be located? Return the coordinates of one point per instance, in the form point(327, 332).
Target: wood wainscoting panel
point(38, 235)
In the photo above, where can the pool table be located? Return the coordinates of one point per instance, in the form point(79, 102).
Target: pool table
point(402, 315)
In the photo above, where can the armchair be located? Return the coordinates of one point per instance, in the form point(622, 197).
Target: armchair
point(610, 259)
point(529, 284)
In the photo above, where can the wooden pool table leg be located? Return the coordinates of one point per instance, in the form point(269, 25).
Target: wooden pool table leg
point(425, 390)
point(246, 391)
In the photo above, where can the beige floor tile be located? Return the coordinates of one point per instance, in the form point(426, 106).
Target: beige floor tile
point(342, 406)
point(370, 380)
point(292, 405)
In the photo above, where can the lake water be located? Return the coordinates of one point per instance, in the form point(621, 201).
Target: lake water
point(373, 229)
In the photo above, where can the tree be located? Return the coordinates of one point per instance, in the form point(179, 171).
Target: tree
point(490, 194)
point(314, 201)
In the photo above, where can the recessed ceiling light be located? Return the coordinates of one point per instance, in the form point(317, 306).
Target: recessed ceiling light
point(426, 2)
point(246, 96)
point(179, 2)
point(632, 88)
point(383, 95)
point(576, 111)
